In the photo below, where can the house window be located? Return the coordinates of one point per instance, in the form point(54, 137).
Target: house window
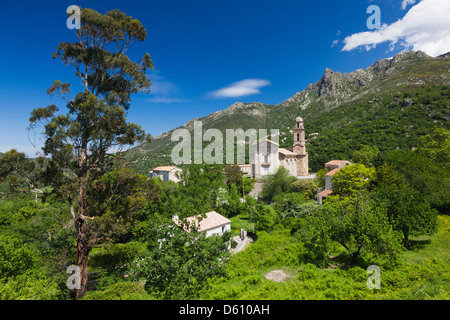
point(223, 229)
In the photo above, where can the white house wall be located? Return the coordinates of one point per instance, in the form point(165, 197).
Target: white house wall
point(218, 230)
point(328, 182)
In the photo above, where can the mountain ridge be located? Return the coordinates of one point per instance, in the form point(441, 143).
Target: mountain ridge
point(406, 71)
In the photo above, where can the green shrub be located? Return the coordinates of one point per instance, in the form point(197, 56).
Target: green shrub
point(16, 257)
point(276, 184)
point(115, 255)
point(265, 217)
point(307, 187)
point(120, 291)
point(31, 285)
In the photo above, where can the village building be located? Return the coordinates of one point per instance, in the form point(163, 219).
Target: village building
point(167, 173)
point(245, 169)
point(268, 156)
point(213, 224)
point(332, 166)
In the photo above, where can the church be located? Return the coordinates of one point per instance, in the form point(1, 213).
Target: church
point(268, 156)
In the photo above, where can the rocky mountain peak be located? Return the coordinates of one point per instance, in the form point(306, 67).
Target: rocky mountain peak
point(327, 85)
point(444, 56)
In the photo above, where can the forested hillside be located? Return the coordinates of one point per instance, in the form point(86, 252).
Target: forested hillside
point(388, 105)
point(389, 211)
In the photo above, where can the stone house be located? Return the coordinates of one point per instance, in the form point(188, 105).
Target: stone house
point(167, 173)
point(213, 224)
point(332, 166)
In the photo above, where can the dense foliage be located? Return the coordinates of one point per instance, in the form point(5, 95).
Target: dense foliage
point(82, 205)
point(376, 215)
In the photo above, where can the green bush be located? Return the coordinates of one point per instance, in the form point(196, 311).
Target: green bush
point(265, 217)
point(16, 257)
point(277, 183)
point(115, 256)
point(286, 204)
point(31, 285)
point(120, 291)
point(307, 187)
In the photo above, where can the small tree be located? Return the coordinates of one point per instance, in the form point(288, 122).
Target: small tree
point(233, 204)
point(14, 165)
point(265, 217)
point(233, 175)
point(306, 187)
point(277, 183)
point(352, 180)
point(408, 212)
point(180, 262)
point(358, 224)
point(286, 204)
point(320, 178)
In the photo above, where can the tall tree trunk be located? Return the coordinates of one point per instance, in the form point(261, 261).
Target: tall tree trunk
point(82, 255)
point(83, 246)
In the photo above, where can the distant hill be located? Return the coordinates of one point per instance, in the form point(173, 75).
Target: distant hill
point(390, 104)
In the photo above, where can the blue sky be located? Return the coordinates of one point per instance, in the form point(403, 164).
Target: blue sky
point(210, 54)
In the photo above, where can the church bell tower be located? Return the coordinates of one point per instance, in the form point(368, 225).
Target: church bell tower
point(299, 137)
point(299, 147)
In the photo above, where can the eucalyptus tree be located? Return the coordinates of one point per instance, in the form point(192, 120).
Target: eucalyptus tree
point(78, 142)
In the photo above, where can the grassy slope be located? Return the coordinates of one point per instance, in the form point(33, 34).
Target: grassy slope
point(425, 273)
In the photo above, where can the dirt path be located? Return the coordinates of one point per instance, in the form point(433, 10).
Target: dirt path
point(277, 275)
point(257, 188)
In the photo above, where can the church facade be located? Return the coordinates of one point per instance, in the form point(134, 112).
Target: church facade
point(268, 156)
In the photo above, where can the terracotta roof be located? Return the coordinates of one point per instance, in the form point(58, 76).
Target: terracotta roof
point(337, 162)
point(332, 171)
point(325, 192)
point(286, 152)
point(212, 220)
point(167, 168)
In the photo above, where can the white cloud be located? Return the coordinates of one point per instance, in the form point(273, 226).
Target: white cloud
point(241, 88)
point(163, 87)
point(405, 3)
point(165, 100)
point(334, 43)
point(425, 27)
point(163, 91)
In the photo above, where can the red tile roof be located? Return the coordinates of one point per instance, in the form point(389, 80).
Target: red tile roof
point(336, 162)
point(325, 193)
point(332, 171)
point(212, 220)
point(167, 168)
